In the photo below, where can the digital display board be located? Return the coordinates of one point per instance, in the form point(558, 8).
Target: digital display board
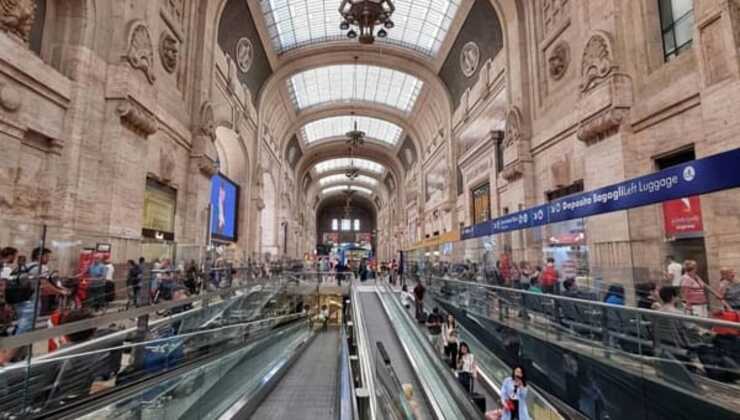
point(224, 208)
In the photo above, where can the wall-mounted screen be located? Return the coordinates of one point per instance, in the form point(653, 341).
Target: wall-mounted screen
point(224, 208)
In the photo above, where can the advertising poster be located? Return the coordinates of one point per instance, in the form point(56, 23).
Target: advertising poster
point(682, 217)
point(224, 208)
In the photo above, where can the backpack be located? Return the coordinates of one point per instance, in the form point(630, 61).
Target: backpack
point(19, 288)
point(549, 276)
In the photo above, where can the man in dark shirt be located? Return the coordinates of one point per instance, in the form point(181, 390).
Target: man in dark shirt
point(419, 291)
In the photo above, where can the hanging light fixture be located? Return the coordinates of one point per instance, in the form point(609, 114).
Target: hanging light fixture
point(365, 15)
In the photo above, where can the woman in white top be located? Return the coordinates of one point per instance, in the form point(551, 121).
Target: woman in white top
point(466, 368)
point(449, 340)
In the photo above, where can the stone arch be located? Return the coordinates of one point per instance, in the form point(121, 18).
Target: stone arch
point(67, 24)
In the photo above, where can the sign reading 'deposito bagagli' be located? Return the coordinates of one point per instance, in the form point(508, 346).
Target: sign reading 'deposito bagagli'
point(701, 176)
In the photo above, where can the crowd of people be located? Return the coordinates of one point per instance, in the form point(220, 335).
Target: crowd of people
point(694, 293)
point(336, 269)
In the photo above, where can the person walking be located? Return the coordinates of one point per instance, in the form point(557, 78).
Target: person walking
point(729, 287)
point(514, 396)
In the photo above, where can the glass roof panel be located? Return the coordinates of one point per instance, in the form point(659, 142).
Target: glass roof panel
point(344, 163)
point(361, 179)
point(374, 128)
point(296, 23)
point(344, 188)
point(350, 82)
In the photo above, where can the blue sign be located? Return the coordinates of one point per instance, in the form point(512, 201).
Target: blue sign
point(701, 176)
point(535, 216)
point(224, 208)
point(476, 231)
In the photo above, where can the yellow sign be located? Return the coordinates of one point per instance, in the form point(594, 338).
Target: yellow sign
point(159, 210)
point(451, 236)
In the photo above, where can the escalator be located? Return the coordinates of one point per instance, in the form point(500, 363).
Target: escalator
point(379, 329)
point(309, 388)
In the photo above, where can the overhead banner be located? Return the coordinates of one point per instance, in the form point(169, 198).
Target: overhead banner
point(701, 176)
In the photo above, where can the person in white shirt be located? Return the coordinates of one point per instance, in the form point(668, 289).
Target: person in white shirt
point(674, 271)
point(467, 369)
point(109, 269)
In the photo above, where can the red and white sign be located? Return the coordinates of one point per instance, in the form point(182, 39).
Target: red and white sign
point(682, 216)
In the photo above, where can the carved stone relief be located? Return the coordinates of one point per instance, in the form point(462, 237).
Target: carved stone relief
point(166, 164)
point(553, 12)
point(559, 60)
point(10, 97)
point(207, 121)
point(16, 18)
point(169, 51)
point(244, 54)
point(601, 125)
point(469, 58)
point(513, 130)
point(138, 119)
point(597, 62)
point(207, 166)
point(176, 10)
point(140, 54)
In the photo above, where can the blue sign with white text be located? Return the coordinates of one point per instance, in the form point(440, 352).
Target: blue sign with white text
point(701, 176)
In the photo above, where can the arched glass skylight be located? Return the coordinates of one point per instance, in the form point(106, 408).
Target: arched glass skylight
point(421, 25)
point(354, 82)
point(344, 163)
point(355, 188)
point(374, 128)
point(360, 179)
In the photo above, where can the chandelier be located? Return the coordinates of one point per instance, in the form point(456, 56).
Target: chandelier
point(366, 15)
point(355, 138)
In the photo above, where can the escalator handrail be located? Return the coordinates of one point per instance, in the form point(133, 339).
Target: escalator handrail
point(345, 380)
point(99, 400)
point(363, 349)
point(464, 403)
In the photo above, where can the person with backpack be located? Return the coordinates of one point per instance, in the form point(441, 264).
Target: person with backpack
point(20, 291)
point(7, 260)
point(549, 278)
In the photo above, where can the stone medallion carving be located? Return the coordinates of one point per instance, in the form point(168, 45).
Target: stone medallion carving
point(16, 18)
point(10, 97)
point(140, 54)
point(169, 51)
point(559, 60)
point(244, 54)
point(597, 62)
point(469, 58)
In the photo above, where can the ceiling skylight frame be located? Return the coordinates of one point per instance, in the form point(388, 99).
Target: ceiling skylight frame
point(342, 178)
point(347, 83)
point(332, 127)
point(420, 25)
point(344, 163)
point(341, 188)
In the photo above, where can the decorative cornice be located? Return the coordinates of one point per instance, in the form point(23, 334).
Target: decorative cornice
point(513, 171)
point(206, 166)
point(138, 119)
point(602, 125)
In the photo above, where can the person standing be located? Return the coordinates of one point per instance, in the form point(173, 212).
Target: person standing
point(693, 290)
point(514, 396)
point(7, 261)
point(674, 271)
point(729, 288)
point(133, 283)
point(110, 286)
point(419, 291)
point(449, 340)
point(96, 288)
point(549, 277)
point(467, 369)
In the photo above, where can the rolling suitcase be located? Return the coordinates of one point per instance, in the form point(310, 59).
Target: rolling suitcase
point(479, 400)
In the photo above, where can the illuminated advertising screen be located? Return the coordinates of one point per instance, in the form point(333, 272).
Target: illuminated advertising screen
point(224, 208)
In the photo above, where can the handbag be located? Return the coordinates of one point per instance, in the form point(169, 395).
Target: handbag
point(728, 314)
